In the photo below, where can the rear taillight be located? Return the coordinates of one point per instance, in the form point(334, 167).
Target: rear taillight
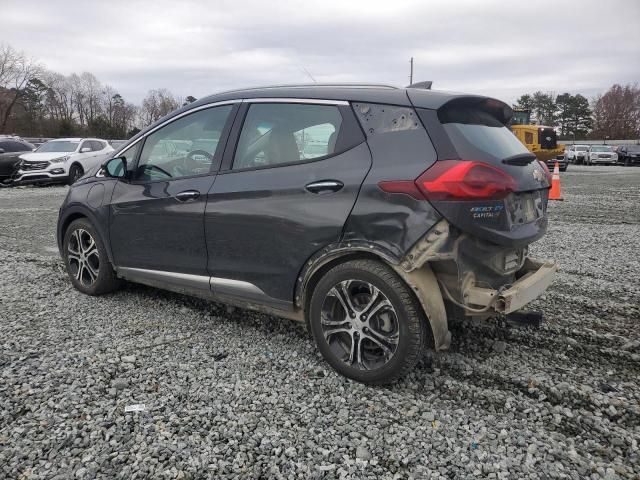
point(456, 180)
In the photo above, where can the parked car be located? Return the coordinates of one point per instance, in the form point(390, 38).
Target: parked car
point(64, 160)
point(116, 144)
point(598, 154)
point(10, 150)
point(629, 154)
point(562, 163)
point(576, 153)
point(419, 203)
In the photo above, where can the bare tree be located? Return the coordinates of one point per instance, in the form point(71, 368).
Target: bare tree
point(616, 114)
point(156, 105)
point(16, 70)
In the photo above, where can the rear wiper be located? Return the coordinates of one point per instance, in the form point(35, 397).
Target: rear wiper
point(520, 159)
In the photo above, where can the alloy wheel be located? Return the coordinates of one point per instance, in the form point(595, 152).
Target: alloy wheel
point(83, 257)
point(360, 325)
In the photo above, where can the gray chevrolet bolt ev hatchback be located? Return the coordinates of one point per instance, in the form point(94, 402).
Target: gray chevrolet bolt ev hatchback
point(371, 213)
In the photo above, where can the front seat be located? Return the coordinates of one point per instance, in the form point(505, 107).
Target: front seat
point(282, 147)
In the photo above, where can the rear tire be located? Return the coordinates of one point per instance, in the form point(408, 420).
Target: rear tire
point(367, 323)
point(75, 172)
point(86, 259)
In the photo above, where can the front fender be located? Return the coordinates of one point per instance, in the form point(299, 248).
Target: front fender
point(82, 202)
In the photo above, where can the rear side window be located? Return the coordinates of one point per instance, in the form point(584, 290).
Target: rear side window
point(284, 133)
point(477, 135)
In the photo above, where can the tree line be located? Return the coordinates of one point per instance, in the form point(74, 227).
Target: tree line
point(614, 114)
point(36, 102)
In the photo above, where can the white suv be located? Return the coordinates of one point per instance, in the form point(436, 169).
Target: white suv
point(576, 154)
point(62, 160)
point(601, 154)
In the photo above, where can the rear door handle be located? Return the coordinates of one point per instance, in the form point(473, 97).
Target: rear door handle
point(187, 196)
point(324, 186)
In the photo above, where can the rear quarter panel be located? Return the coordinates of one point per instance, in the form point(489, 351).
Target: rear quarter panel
point(400, 150)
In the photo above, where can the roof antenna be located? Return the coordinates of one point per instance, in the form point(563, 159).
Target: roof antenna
point(423, 85)
point(307, 72)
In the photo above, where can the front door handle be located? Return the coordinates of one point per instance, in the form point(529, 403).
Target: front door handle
point(324, 186)
point(187, 196)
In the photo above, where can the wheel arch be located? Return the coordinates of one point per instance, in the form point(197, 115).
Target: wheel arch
point(422, 282)
point(76, 163)
point(75, 213)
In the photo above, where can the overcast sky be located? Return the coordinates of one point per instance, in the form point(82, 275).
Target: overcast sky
point(501, 48)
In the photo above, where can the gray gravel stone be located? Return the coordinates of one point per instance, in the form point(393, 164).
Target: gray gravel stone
point(236, 394)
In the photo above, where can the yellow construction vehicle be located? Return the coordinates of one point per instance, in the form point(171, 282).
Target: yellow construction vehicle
point(539, 139)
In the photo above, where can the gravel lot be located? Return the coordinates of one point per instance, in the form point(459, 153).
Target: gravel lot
point(232, 394)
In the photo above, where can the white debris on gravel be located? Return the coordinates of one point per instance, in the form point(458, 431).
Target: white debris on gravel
point(235, 394)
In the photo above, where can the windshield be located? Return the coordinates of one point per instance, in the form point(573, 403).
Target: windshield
point(58, 146)
point(633, 148)
point(601, 149)
point(582, 149)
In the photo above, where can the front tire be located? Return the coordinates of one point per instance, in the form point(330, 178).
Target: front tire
point(367, 323)
point(75, 172)
point(86, 259)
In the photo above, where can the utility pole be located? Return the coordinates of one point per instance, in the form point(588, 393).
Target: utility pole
point(411, 72)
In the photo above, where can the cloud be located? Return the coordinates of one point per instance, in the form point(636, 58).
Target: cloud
point(195, 48)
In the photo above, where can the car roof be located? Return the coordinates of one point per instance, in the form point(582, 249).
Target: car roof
point(74, 139)
point(352, 92)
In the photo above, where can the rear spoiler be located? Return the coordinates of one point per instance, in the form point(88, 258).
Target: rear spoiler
point(435, 100)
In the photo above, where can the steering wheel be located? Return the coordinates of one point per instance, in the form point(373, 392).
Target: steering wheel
point(193, 153)
point(189, 165)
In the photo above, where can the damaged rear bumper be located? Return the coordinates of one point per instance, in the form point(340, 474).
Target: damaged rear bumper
point(532, 280)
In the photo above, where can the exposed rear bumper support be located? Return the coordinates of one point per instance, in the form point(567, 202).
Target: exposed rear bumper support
point(535, 278)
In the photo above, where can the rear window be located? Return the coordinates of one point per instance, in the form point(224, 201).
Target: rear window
point(477, 135)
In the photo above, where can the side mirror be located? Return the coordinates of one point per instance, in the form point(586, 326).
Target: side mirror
point(1, 150)
point(115, 168)
point(85, 149)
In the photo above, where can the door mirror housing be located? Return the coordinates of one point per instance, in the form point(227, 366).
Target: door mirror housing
point(85, 149)
point(115, 168)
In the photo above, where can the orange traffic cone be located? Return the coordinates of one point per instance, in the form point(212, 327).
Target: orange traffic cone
point(554, 193)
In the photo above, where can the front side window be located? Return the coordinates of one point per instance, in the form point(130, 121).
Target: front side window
point(283, 133)
point(130, 155)
point(96, 145)
point(183, 148)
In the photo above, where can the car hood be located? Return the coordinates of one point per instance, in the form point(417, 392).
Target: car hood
point(43, 156)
